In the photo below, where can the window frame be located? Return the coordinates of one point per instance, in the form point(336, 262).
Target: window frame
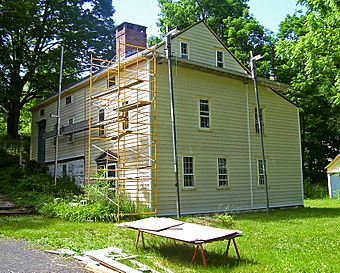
point(262, 116)
point(260, 174)
point(68, 100)
point(125, 116)
point(219, 64)
point(112, 82)
point(200, 116)
point(101, 128)
point(227, 184)
point(181, 54)
point(184, 173)
point(71, 136)
point(42, 112)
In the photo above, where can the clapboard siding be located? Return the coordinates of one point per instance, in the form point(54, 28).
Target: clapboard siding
point(228, 138)
point(232, 102)
point(202, 45)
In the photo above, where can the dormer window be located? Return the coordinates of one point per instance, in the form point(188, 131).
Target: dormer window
point(219, 58)
point(184, 47)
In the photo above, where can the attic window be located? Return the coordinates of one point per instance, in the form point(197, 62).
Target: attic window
point(42, 112)
point(112, 81)
point(219, 58)
point(184, 50)
point(68, 100)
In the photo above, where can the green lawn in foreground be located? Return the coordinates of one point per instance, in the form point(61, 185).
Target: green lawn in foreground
point(287, 240)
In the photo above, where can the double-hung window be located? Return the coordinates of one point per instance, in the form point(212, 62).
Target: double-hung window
point(125, 115)
point(188, 172)
point(257, 128)
point(260, 172)
point(204, 112)
point(71, 136)
point(219, 58)
point(222, 171)
point(112, 81)
point(184, 50)
point(101, 118)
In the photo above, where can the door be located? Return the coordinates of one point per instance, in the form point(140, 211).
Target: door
point(41, 140)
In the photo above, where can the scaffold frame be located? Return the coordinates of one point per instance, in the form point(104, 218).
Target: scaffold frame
point(122, 128)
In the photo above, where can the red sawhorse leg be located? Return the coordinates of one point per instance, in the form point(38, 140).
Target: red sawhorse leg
point(235, 246)
point(199, 246)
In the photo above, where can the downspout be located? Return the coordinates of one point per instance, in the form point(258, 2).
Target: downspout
point(58, 117)
point(249, 151)
point(173, 122)
point(150, 132)
point(253, 74)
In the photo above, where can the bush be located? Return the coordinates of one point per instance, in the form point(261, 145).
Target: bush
point(102, 205)
point(315, 191)
point(45, 183)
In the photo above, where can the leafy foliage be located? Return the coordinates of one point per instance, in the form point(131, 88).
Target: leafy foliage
point(31, 32)
point(101, 204)
point(230, 19)
point(308, 59)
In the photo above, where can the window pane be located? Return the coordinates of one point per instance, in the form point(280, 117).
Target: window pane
point(257, 129)
point(184, 50)
point(260, 171)
point(222, 171)
point(219, 58)
point(188, 171)
point(204, 114)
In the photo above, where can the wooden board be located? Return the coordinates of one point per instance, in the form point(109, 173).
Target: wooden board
point(153, 224)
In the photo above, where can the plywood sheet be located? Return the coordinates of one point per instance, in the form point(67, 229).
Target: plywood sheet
point(193, 233)
point(153, 224)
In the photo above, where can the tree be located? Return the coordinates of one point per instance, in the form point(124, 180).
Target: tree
point(31, 33)
point(308, 59)
point(230, 19)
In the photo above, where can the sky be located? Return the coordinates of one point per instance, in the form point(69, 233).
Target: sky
point(145, 12)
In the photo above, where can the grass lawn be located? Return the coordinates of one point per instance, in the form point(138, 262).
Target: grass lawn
point(287, 240)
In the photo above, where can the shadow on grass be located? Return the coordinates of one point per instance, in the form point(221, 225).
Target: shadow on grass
point(14, 223)
point(181, 254)
point(289, 213)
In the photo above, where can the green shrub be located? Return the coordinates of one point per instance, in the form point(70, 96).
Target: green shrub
point(102, 205)
point(315, 191)
point(226, 219)
point(45, 183)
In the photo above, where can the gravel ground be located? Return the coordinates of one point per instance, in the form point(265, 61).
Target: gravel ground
point(22, 257)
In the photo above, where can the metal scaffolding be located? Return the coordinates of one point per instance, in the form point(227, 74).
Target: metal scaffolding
point(122, 128)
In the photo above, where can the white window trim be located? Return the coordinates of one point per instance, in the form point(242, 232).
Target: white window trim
point(71, 136)
point(101, 132)
point(186, 56)
point(193, 174)
point(70, 96)
point(199, 114)
point(218, 174)
point(217, 62)
point(258, 173)
point(112, 82)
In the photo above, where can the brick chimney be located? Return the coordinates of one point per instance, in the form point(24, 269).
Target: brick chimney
point(129, 34)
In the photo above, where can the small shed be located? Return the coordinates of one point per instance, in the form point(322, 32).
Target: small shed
point(333, 174)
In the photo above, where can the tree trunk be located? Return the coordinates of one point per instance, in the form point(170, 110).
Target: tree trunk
point(13, 120)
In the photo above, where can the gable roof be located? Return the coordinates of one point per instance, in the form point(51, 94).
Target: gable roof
point(333, 162)
point(246, 76)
